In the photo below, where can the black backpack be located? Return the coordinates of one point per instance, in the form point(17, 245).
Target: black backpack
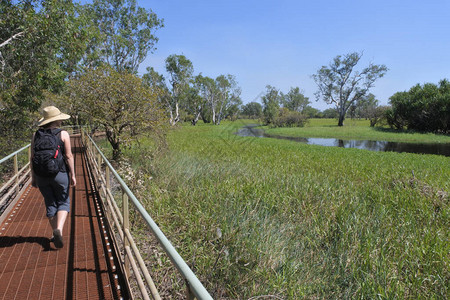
point(48, 158)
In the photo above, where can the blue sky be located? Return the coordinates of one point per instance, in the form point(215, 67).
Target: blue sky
point(282, 43)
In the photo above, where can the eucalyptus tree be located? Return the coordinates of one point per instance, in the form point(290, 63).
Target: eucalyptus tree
point(157, 83)
point(312, 112)
point(193, 103)
point(340, 84)
point(207, 90)
point(252, 110)
point(228, 94)
point(366, 106)
point(234, 109)
point(295, 100)
point(125, 33)
point(271, 104)
point(180, 70)
point(221, 96)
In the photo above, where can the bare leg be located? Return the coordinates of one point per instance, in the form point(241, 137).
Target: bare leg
point(52, 221)
point(61, 217)
point(57, 223)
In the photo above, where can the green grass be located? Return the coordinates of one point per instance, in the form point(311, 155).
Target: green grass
point(257, 217)
point(357, 130)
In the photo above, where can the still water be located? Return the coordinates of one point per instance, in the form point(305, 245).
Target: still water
point(438, 149)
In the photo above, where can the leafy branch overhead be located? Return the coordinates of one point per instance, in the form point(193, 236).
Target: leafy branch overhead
point(41, 43)
point(124, 34)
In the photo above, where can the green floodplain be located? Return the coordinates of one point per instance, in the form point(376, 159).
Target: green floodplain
point(261, 216)
point(356, 129)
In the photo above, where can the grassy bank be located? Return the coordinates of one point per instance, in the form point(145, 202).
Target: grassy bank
point(357, 130)
point(257, 217)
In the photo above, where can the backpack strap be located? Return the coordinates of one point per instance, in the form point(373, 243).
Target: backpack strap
point(57, 132)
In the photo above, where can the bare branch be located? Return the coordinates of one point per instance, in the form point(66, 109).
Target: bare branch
point(8, 41)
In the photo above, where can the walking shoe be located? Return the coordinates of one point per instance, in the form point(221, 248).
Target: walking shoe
point(58, 238)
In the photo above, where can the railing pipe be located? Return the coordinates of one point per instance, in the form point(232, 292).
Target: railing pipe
point(126, 226)
point(7, 184)
point(14, 153)
point(11, 191)
point(139, 280)
point(143, 267)
point(12, 186)
point(194, 284)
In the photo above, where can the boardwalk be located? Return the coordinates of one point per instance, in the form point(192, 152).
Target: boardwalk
point(32, 268)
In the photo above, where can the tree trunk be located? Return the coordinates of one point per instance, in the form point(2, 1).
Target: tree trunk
point(341, 120)
point(194, 122)
point(116, 153)
point(114, 142)
point(173, 120)
point(177, 113)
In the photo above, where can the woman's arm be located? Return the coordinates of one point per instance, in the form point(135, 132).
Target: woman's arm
point(69, 157)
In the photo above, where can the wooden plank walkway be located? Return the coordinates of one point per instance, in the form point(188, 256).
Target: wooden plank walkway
point(86, 268)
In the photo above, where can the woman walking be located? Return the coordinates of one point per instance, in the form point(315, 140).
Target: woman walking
point(52, 169)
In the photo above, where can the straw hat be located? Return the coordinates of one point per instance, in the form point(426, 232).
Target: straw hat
point(51, 114)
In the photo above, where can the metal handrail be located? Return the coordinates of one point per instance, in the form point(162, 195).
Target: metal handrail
point(14, 153)
point(16, 184)
point(121, 221)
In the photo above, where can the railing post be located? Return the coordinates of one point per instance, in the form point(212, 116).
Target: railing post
point(108, 190)
point(189, 294)
point(126, 227)
point(99, 162)
point(108, 185)
point(99, 170)
point(16, 173)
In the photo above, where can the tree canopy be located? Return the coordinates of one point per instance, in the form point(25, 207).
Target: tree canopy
point(180, 70)
point(271, 104)
point(119, 101)
point(424, 108)
point(228, 95)
point(294, 100)
point(124, 33)
point(340, 84)
point(252, 110)
point(41, 43)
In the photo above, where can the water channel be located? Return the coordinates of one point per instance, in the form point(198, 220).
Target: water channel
point(433, 148)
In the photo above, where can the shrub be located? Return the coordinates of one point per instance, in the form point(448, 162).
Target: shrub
point(423, 108)
point(378, 115)
point(288, 118)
